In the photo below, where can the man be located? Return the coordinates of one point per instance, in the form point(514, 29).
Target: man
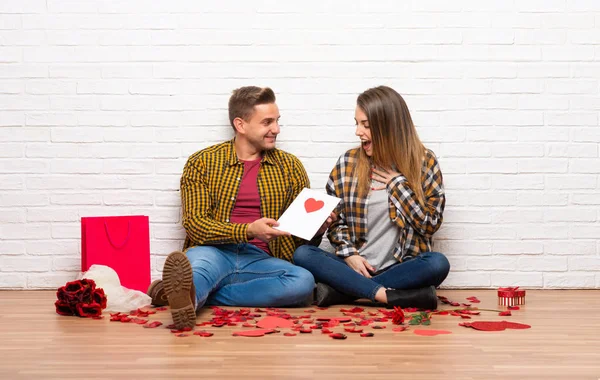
point(232, 193)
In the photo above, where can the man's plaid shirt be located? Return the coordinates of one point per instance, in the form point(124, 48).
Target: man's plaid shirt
point(209, 186)
point(417, 223)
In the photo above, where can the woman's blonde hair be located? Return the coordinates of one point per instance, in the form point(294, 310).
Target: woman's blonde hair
point(395, 142)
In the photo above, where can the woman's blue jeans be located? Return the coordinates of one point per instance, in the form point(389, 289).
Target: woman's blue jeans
point(429, 268)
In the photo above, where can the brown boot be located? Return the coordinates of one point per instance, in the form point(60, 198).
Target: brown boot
point(178, 283)
point(156, 291)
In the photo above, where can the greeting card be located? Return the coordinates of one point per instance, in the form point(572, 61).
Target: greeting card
point(307, 213)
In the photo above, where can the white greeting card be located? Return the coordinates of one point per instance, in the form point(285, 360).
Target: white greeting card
point(307, 213)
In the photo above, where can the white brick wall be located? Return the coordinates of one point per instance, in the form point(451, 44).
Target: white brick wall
point(102, 101)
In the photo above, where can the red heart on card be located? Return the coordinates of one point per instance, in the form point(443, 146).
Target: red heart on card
point(312, 205)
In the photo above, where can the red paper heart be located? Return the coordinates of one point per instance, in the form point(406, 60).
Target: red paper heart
point(253, 333)
point(432, 332)
point(497, 326)
point(312, 205)
point(488, 326)
point(515, 325)
point(273, 322)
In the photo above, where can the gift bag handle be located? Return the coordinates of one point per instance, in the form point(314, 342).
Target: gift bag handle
point(118, 246)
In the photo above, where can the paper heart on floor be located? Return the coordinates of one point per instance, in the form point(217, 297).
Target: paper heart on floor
point(274, 322)
point(487, 326)
point(515, 325)
point(253, 333)
point(496, 325)
point(432, 332)
point(312, 205)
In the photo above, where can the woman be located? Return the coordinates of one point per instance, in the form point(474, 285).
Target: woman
point(392, 203)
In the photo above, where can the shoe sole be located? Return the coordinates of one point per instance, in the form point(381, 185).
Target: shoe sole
point(178, 280)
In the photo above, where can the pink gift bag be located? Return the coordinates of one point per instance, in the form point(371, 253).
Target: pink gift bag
point(120, 242)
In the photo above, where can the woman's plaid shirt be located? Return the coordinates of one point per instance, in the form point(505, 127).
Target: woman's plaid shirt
point(417, 223)
point(209, 186)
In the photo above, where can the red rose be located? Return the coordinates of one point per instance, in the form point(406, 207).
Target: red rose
point(397, 316)
point(99, 297)
point(74, 292)
point(85, 296)
point(80, 298)
point(73, 287)
point(88, 283)
point(89, 309)
point(63, 308)
point(62, 294)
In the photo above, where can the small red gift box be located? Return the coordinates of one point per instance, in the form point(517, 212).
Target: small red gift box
point(511, 296)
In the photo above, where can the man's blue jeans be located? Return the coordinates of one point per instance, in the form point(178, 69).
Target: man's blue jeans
point(429, 268)
point(244, 275)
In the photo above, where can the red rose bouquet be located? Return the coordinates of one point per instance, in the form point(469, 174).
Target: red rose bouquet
point(80, 298)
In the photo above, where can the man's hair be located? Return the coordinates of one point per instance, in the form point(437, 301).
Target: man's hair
point(243, 100)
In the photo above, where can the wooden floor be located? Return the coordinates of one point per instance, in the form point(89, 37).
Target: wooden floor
point(563, 343)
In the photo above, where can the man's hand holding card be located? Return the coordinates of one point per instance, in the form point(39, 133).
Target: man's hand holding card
point(309, 214)
point(262, 229)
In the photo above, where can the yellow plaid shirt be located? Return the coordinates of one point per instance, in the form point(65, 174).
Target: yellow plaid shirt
point(209, 187)
point(417, 223)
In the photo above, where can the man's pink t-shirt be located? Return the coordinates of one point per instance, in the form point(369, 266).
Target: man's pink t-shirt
point(247, 204)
